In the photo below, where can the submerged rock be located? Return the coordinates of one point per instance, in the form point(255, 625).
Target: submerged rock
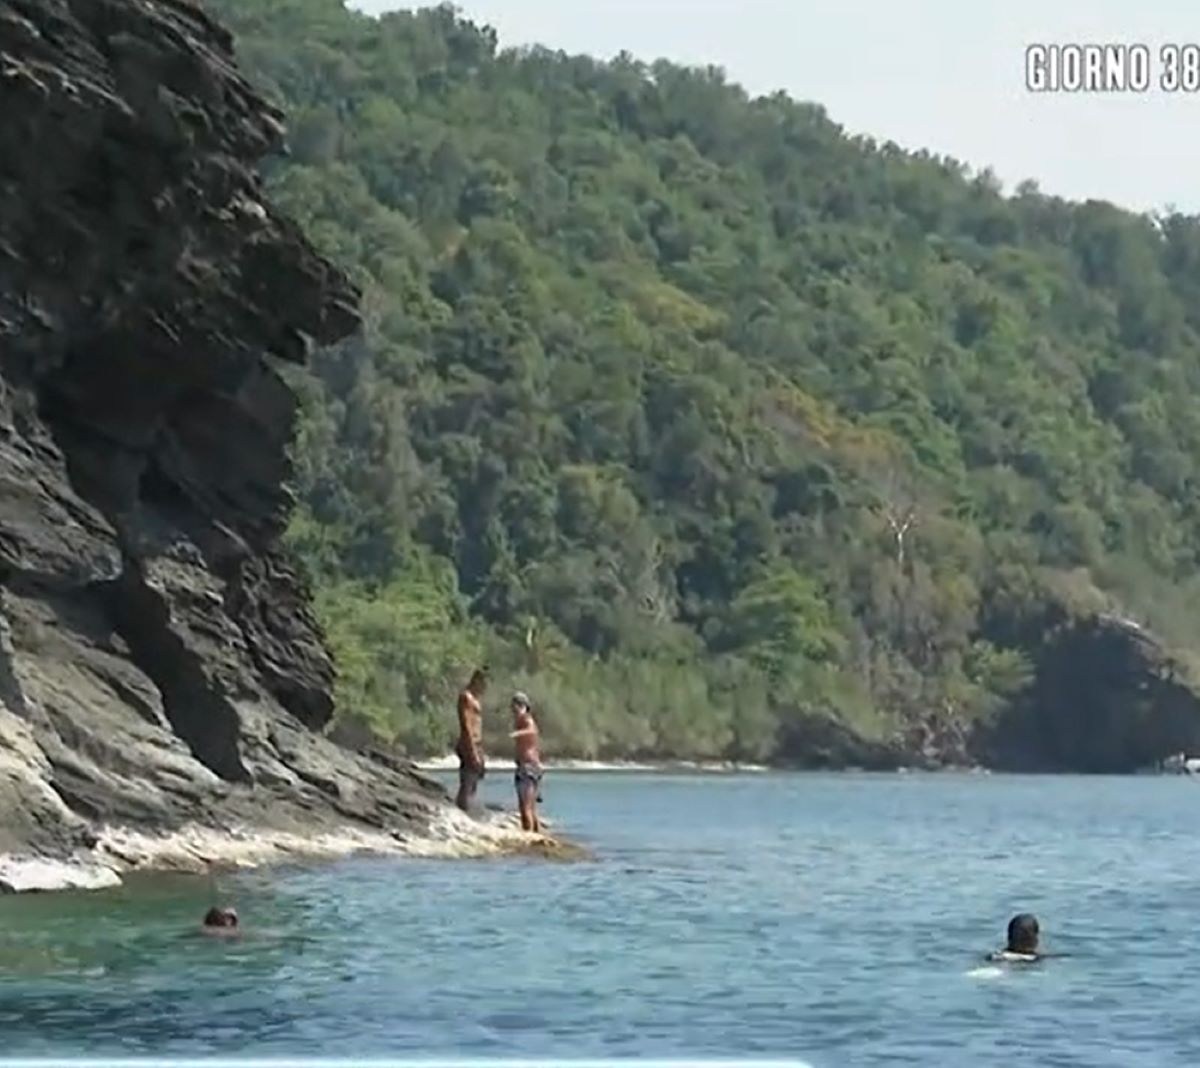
point(160, 666)
point(547, 847)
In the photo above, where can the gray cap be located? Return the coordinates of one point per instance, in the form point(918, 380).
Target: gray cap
point(520, 698)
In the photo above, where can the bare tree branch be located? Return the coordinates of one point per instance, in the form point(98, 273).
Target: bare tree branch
point(897, 500)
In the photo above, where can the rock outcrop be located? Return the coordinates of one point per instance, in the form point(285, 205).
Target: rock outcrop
point(159, 664)
point(1107, 696)
point(812, 741)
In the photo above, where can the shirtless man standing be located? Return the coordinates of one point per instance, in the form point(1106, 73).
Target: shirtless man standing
point(528, 758)
point(470, 739)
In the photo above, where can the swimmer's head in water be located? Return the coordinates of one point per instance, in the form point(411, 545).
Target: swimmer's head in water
point(1023, 933)
point(216, 917)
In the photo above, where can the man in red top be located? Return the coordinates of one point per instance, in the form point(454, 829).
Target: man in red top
point(470, 739)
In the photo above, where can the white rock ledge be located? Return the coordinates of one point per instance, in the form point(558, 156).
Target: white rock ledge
point(22, 875)
point(451, 835)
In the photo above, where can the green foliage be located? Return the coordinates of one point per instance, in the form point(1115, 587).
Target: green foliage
point(399, 648)
point(779, 621)
point(692, 413)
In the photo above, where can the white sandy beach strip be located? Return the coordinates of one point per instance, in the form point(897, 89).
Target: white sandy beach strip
point(449, 762)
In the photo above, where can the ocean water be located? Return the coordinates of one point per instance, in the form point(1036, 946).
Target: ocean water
point(839, 920)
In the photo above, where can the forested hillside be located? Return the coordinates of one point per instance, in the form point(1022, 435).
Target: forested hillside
point(717, 429)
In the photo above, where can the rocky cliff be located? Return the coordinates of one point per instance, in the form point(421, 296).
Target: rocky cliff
point(1107, 697)
point(159, 665)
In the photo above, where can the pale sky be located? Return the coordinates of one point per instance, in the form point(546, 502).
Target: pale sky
point(946, 75)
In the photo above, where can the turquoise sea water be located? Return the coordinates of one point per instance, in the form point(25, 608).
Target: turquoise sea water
point(838, 920)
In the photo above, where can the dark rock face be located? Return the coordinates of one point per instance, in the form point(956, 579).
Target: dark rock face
point(1106, 698)
point(818, 742)
point(159, 662)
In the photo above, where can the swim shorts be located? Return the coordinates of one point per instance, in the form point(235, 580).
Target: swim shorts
point(531, 775)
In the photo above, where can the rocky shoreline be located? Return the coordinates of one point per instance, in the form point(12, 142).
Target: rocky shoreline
point(165, 690)
point(199, 850)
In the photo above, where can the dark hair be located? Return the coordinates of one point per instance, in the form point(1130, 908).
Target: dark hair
point(480, 674)
point(1023, 933)
point(216, 917)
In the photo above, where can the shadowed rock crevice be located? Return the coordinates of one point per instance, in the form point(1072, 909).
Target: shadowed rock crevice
point(194, 707)
point(11, 696)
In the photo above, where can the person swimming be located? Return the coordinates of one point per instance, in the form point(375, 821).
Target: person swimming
point(222, 922)
point(1022, 945)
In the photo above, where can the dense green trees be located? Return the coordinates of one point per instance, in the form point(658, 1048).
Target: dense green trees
point(699, 417)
